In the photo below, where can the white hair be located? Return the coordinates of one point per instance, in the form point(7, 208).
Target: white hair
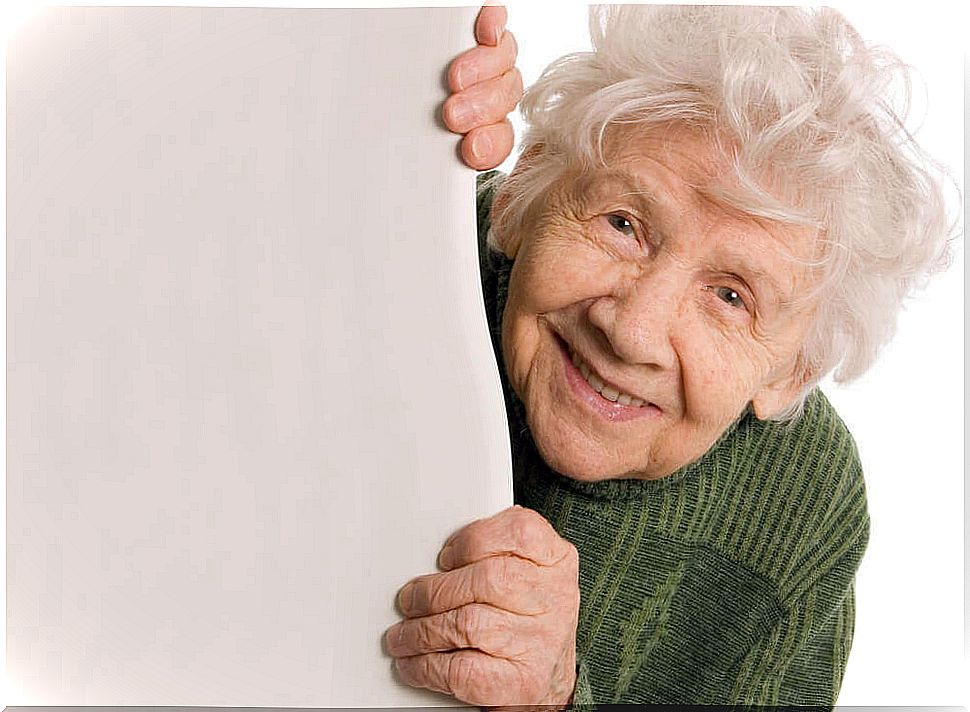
point(800, 97)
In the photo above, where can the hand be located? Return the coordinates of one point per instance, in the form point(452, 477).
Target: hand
point(485, 87)
point(498, 627)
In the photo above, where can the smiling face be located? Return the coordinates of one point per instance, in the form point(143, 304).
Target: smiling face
point(642, 317)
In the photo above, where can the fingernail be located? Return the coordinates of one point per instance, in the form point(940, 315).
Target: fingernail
point(446, 559)
point(405, 599)
point(499, 31)
point(481, 146)
point(466, 76)
point(393, 637)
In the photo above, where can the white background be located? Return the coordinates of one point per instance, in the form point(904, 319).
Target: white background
point(906, 414)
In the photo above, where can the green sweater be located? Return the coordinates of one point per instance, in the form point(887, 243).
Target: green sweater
point(727, 582)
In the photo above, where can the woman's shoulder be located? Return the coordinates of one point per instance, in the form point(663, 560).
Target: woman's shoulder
point(816, 446)
point(807, 478)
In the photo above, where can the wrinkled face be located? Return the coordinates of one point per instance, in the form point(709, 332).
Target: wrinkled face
point(643, 317)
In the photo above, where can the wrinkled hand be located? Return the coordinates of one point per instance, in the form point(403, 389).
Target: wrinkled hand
point(485, 87)
point(498, 627)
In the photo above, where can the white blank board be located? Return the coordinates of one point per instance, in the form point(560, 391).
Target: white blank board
point(250, 386)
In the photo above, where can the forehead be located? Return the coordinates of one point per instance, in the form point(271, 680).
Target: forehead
point(689, 152)
point(669, 166)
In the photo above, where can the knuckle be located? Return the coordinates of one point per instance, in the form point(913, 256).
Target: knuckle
point(499, 634)
point(468, 626)
point(525, 528)
point(520, 576)
point(487, 630)
point(491, 573)
point(423, 638)
point(501, 578)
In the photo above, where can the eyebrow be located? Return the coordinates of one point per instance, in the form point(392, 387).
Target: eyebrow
point(759, 276)
point(647, 198)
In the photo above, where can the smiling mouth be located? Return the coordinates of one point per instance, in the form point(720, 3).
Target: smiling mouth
point(606, 398)
point(609, 392)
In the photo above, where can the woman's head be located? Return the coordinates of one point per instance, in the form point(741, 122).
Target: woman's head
point(796, 157)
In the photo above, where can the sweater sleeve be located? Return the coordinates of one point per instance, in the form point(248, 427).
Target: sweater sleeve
point(801, 661)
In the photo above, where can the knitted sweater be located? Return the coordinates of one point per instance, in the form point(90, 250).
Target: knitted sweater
point(727, 582)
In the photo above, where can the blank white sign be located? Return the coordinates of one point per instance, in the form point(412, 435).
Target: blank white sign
point(250, 387)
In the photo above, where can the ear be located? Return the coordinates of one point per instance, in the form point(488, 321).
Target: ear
point(510, 242)
point(775, 396)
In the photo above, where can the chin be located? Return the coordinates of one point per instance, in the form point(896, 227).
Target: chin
point(578, 461)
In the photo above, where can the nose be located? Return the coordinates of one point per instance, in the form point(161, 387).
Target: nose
point(639, 318)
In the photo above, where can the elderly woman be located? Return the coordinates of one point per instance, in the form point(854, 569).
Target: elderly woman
point(712, 210)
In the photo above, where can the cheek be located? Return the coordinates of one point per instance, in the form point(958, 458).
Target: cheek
point(556, 274)
point(560, 261)
point(520, 338)
point(720, 372)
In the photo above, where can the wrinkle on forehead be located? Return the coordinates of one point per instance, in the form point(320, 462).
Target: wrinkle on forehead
point(707, 160)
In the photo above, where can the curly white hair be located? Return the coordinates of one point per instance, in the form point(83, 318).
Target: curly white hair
point(792, 97)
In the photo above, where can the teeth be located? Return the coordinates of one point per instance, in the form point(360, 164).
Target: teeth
point(608, 392)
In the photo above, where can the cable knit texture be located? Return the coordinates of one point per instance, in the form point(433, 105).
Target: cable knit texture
point(727, 582)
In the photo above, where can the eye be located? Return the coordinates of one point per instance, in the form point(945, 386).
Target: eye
point(621, 224)
point(730, 296)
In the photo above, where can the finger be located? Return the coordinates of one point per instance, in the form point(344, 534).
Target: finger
point(476, 625)
point(487, 102)
point(487, 146)
point(482, 62)
point(516, 531)
point(469, 675)
point(507, 582)
point(490, 24)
